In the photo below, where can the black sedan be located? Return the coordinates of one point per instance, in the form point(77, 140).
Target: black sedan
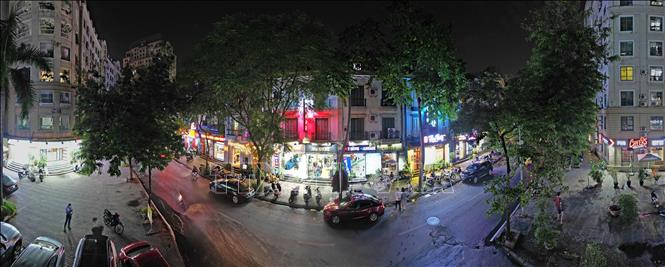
point(11, 243)
point(477, 171)
point(9, 185)
point(235, 189)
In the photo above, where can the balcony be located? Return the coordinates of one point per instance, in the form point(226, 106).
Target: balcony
point(357, 135)
point(322, 136)
point(358, 102)
point(390, 134)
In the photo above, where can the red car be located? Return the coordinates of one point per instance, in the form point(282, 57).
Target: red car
point(141, 254)
point(359, 207)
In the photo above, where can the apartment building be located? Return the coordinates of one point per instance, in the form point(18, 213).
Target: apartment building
point(141, 53)
point(630, 121)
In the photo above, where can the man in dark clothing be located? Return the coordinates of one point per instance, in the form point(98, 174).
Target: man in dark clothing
point(68, 217)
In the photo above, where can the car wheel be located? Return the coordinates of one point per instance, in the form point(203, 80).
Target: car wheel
point(373, 217)
point(18, 248)
point(335, 219)
point(235, 199)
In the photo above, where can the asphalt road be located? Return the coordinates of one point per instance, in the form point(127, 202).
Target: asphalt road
point(259, 233)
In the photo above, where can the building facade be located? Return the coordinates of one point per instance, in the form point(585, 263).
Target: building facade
point(141, 53)
point(64, 31)
point(630, 121)
point(112, 71)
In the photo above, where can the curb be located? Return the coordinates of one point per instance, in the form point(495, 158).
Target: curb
point(514, 257)
point(168, 225)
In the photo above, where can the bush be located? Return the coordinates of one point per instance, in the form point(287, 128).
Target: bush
point(8, 208)
point(593, 256)
point(628, 205)
point(596, 172)
point(544, 232)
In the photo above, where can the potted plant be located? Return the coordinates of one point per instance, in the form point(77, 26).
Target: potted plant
point(614, 210)
point(613, 172)
point(596, 173)
point(628, 205)
point(641, 175)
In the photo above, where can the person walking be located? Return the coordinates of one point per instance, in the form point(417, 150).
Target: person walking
point(559, 208)
point(398, 199)
point(68, 217)
point(405, 198)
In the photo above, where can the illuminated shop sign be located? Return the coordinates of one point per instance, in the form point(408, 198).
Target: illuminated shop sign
point(360, 148)
point(658, 142)
point(642, 142)
point(319, 148)
point(212, 137)
point(622, 143)
point(434, 138)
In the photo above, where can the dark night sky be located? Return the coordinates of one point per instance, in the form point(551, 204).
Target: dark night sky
point(486, 33)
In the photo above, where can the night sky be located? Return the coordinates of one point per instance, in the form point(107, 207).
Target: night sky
point(486, 33)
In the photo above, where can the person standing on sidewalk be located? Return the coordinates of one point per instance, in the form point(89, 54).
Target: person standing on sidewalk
point(405, 198)
point(398, 199)
point(559, 208)
point(68, 217)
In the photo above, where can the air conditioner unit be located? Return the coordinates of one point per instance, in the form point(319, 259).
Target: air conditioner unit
point(373, 92)
point(643, 103)
point(392, 133)
point(373, 136)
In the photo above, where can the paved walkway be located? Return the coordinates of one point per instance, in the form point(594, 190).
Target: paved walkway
point(586, 220)
point(40, 211)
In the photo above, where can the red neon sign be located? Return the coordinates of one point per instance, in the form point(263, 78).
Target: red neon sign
point(212, 137)
point(638, 143)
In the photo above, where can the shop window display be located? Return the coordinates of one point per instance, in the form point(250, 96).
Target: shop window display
point(320, 166)
point(355, 165)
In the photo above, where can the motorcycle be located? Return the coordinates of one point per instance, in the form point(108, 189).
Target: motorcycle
point(294, 195)
point(189, 156)
point(113, 220)
point(23, 173)
point(654, 200)
point(318, 197)
point(308, 195)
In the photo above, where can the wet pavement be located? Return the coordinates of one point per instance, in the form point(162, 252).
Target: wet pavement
point(217, 233)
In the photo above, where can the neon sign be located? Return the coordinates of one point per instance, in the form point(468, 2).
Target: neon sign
point(638, 143)
point(212, 137)
point(360, 148)
point(434, 138)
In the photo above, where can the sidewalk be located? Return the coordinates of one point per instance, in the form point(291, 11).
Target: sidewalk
point(586, 220)
point(383, 190)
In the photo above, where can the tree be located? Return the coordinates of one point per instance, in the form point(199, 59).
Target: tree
point(14, 56)
point(487, 108)
point(137, 121)
point(421, 66)
point(255, 68)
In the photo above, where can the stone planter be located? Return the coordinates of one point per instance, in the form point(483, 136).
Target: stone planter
point(512, 243)
point(614, 210)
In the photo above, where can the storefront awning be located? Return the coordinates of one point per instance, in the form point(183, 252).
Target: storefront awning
point(648, 157)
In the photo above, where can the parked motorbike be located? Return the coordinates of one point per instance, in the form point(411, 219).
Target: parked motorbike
point(267, 190)
point(654, 200)
point(308, 195)
point(294, 195)
point(23, 173)
point(189, 156)
point(275, 194)
point(318, 197)
point(113, 220)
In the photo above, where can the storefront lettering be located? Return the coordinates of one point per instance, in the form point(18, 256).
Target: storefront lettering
point(360, 148)
point(638, 143)
point(658, 142)
point(212, 137)
point(434, 138)
point(621, 142)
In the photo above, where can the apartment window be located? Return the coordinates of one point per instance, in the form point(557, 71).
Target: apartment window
point(385, 99)
point(23, 29)
point(46, 26)
point(626, 23)
point(322, 130)
point(626, 73)
point(655, 24)
point(65, 98)
point(64, 53)
point(627, 123)
point(22, 123)
point(46, 48)
point(657, 2)
point(65, 29)
point(604, 122)
point(626, 2)
point(656, 73)
point(626, 48)
point(627, 99)
point(656, 48)
point(291, 128)
point(45, 76)
point(64, 122)
point(46, 98)
point(656, 123)
point(46, 123)
point(358, 96)
point(656, 98)
point(388, 128)
point(357, 129)
point(64, 76)
point(46, 6)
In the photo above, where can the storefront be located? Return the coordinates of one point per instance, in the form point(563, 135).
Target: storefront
point(56, 153)
point(392, 158)
point(437, 149)
point(362, 160)
point(305, 162)
point(627, 152)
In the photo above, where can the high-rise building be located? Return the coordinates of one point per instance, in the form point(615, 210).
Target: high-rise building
point(65, 32)
point(141, 53)
point(630, 121)
point(112, 72)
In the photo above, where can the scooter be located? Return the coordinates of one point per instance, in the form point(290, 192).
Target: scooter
point(267, 190)
point(318, 197)
point(23, 173)
point(294, 195)
point(308, 195)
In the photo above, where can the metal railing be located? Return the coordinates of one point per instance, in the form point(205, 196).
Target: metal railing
point(390, 134)
point(357, 135)
point(358, 102)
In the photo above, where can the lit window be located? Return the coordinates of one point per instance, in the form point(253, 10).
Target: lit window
point(656, 73)
point(656, 48)
point(627, 98)
point(46, 123)
point(626, 2)
point(626, 24)
point(627, 123)
point(46, 6)
point(46, 26)
point(656, 123)
point(23, 123)
point(46, 76)
point(626, 48)
point(626, 73)
point(657, 2)
point(656, 24)
point(656, 98)
point(64, 76)
point(46, 98)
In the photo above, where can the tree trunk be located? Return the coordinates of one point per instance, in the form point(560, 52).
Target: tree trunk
point(506, 213)
point(340, 157)
point(422, 148)
point(130, 169)
point(149, 184)
point(259, 181)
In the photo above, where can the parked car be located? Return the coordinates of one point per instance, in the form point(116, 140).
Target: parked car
point(95, 250)
point(360, 206)
point(11, 243)
point(44, 251)
point(477, 171)
point(141, 254)
point(9, 185)
point(234, 188)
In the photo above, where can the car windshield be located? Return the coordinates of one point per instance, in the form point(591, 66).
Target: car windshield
point(472, 168)
point(6, 180)
point(234, 184)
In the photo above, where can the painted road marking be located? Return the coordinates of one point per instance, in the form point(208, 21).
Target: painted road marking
point(316, 244)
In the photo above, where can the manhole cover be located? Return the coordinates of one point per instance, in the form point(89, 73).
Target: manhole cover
point(433, 221)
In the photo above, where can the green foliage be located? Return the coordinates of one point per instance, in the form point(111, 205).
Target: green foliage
point(641, 175)
point(544, 232)
point(596, 172)
point(137, 120)
point(628, 204)
point(41, 162)
point(8, 208)
point(593, 256)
